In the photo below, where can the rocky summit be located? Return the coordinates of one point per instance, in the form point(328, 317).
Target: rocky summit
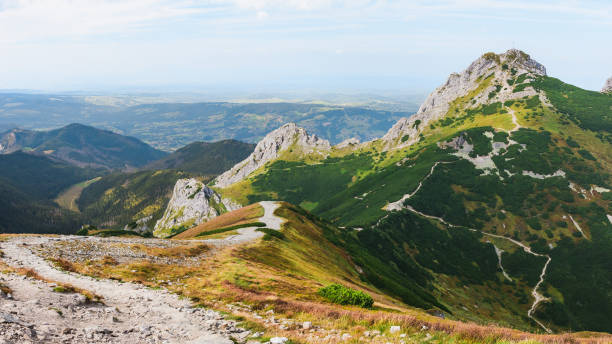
point(487, 80)
point(288, 137)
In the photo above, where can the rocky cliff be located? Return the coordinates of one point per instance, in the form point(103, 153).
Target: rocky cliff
point(491, 78)
point(288, 137)
point(192, 203)
point(607, 86)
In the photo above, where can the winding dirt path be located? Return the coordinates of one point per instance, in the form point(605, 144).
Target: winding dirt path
point(538, 298)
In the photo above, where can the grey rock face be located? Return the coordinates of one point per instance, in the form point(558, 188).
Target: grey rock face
point(192, 203)
point(269, 148)
point(607, 86)
point(501, 68)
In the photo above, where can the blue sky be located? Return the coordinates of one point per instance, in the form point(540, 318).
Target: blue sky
point(274, 45)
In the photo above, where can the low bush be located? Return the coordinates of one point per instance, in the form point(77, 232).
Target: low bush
point(271, 233)
point(340, 294)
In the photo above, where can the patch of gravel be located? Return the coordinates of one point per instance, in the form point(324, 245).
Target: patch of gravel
point(131, 313)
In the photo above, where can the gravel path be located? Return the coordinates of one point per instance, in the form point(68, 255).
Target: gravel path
point(131, 313)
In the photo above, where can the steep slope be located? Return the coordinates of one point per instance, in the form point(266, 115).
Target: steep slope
point(82, 146)
point(28, 186)
point(40, 176)
point(205, 158)
point(504, 169)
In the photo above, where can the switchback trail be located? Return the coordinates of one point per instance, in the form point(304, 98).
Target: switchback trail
point(538, 298)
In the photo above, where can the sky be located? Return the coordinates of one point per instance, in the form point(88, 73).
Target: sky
point(279, 45)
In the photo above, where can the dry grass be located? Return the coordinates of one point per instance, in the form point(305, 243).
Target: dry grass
point(182, 251)
point(329, 314)
point(236, 217)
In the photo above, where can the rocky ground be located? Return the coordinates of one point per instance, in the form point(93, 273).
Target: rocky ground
point(36, 308)
point(32, 312)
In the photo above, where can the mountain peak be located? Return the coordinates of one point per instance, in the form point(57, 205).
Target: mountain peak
point(287, 136)
point(607, 88)
point(490, 78)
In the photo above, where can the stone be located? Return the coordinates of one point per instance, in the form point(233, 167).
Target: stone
point(607, 88)
point(269, 148)
point(406, 131)
point(306, 325)
point(278, 340)
point(394, 329)
point(192, 203)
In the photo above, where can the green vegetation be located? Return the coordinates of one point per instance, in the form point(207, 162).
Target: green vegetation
point(205, 158)
point(342, 295)
point(589, 109)
point(271, 234)
point(122, 198)
point(83, 145)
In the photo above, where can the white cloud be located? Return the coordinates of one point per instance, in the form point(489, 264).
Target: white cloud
point(40, 19)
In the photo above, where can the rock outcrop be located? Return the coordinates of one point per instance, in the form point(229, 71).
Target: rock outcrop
point(352, 143)
point(498, 68)
point(289, 136)
point(607, 86)
point(192, 203)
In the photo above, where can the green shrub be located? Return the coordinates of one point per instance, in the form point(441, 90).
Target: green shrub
point(340, 294)
point(271, 233)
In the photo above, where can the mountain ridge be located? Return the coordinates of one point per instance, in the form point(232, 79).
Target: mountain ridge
point(82, 146)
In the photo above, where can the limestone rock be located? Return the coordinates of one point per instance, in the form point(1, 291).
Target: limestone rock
point(607, 86)
point(501, 68)
point(192, 203)
point(286, 137)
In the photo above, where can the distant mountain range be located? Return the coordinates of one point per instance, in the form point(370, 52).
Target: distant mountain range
point(169, 126)
point(82, 145)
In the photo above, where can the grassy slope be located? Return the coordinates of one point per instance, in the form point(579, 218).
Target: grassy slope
point(351, 189)
point(243, 215)
point(67, 199)
point(284, 275)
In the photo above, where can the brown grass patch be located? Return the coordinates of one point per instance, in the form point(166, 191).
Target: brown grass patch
point(173, 252)
point(461, 330)
point(63, 264)
point(236, 217)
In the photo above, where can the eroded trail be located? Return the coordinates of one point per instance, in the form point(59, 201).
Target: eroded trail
point(130, 313)
point(538, 298)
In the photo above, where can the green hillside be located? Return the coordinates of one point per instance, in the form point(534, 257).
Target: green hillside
point(519, 165)
point(82, 146)
point(205, 158)
point(28, 184)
